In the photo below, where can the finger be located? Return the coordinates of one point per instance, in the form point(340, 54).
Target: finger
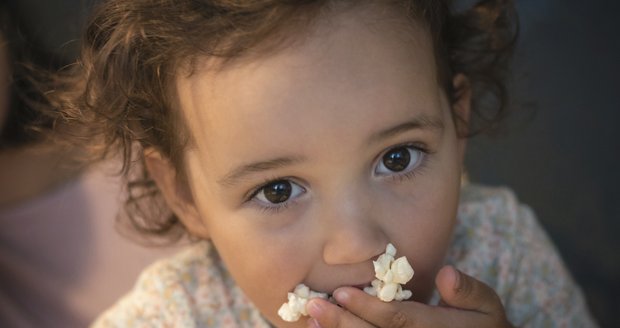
point(465, 292)
point(370, 308)
point(409, 313)
point(328, 315)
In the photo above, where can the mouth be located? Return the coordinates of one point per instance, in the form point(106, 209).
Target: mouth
point(329, 290)
point(330, 296)
point(294, 308)
point(361, 286)
point(358, 286)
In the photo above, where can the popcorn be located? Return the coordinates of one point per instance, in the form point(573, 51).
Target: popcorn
point(390, 274)
point(297, 300)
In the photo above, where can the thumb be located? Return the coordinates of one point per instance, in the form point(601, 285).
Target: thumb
point(461, 291)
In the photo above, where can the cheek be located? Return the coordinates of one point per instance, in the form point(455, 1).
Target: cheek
point(266, 265)
point(424, 226)
point(423, 223)
point(424, 235)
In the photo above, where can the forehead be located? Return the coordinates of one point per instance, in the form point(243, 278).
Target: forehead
point(353, 64)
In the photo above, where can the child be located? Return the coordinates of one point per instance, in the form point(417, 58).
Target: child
point(295, 140)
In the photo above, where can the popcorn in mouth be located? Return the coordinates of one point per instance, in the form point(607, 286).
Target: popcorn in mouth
point(292, 310)
point(390, 275)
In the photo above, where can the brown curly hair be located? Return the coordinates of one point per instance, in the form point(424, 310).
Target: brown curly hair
point(116, 99)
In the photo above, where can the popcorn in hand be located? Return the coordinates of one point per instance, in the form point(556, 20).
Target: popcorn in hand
point(297, 300)
point(387, 287)
point(390, 274)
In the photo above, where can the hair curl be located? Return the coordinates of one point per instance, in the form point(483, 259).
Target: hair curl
point(133, 49)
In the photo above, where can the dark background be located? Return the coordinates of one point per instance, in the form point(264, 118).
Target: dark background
point(561, 153)
point(559, 149)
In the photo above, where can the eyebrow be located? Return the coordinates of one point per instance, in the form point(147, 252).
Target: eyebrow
point(422, 122)
point(237, 174)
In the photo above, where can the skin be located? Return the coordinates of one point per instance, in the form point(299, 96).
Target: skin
point(361, 83)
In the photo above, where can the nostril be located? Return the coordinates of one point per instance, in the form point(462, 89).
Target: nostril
point(347, 249)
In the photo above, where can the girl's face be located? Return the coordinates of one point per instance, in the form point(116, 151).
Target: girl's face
point(308, 161)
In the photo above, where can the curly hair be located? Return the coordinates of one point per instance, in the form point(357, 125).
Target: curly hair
point(117, 98)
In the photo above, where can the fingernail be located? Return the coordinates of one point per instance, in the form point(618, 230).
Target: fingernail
point(313, 323)
point(341, 296)
point(315, 308)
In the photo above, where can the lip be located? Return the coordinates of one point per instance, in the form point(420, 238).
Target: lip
point(362, 286)
point(330, 291)
point(358, 286)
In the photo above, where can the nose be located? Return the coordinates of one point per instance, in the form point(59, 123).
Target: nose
point(352, 229)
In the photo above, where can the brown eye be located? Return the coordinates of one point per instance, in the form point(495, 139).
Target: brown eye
point(278, 191)
point(399, 159)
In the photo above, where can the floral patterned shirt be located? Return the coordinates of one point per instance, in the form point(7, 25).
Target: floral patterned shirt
point(496, 239)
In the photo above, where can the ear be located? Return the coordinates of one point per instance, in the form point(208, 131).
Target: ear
point(461, 110)
point(176, 192)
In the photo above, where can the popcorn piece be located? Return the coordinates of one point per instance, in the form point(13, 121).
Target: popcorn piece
point(402, 270)
point(390, 275)
point(382, 265)
point(297, 300)
point(390, 250)
point(388, 292)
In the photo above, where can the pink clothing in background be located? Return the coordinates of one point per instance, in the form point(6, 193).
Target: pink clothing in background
point(61, 260)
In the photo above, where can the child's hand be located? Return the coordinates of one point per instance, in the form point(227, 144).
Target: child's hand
point(466, 302)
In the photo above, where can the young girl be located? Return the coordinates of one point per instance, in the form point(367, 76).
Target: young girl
point(294, 140)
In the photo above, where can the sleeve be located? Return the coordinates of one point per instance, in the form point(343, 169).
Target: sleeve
point(542, 292)
point(157, 300)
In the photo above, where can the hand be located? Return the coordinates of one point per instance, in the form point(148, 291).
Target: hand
point(465, 302)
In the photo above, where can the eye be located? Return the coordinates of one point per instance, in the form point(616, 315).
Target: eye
point(277, 192)
point(399, 159)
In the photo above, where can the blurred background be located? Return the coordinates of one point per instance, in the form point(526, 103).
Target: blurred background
point(560, 148)
point(62, 260)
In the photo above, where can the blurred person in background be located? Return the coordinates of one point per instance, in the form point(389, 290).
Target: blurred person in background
point(61, 259)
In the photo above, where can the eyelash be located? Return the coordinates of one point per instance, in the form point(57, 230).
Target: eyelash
point(416, 171)
point(271, 209)
point(276, 208)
